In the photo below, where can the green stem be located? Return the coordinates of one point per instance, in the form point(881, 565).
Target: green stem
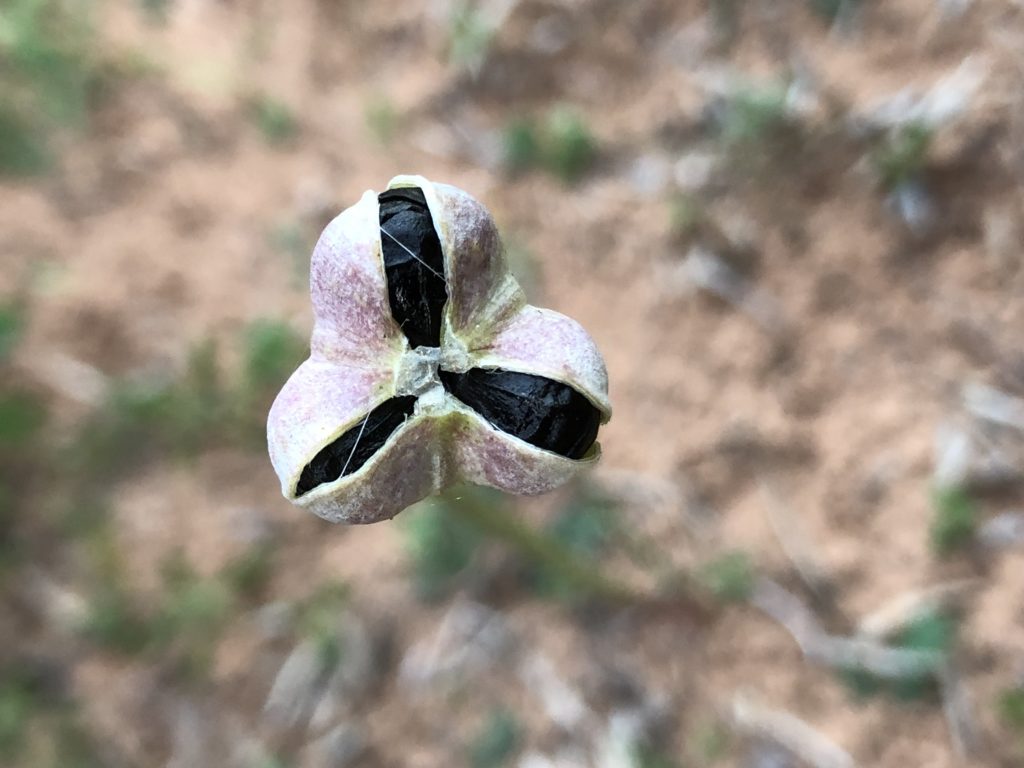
point(586, 576)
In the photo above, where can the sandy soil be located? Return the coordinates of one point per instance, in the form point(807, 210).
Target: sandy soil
point(157, 231)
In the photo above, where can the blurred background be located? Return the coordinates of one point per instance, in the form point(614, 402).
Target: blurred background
point(794, 228)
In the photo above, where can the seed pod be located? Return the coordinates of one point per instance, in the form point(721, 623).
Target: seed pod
point(428, 367)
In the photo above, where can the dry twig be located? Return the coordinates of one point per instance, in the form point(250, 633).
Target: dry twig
point(790, 732)
point(795, 542)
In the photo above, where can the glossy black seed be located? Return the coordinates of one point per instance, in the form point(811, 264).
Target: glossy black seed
point(354, 448)
point(543, 412)
point(414, 265)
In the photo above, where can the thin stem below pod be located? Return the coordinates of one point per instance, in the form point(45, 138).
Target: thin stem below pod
point(542, 549)
point(581, 573)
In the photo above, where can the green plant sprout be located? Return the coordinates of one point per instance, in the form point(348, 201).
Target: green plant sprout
point(1010, 706)
point(17, 706)
point(192, 615)
point(902, 155)
point(22, 414)
point(571, 147)
point(318, 621)
point(954, 521)
point(729, 577)
point(294, 241)
point(39, 727)
point(725, 16)
point(497, 742)
point(115, 622)
point(381, 120)
point(710, 742)
point(12, 321)
point(470, 34)
point(75, 747)
point(183, 415)
point(274, 119)
point(521, 145)
point(936, 632)
point(156, 11)
point(271, 351)
point(648, 757)
point(10, 551)
point(754, 113)
point(183, 627)
point(248, 574)
point(833, 10)
point(23, 446)
point(686, 213)
point(561, 145)
point(48, 75)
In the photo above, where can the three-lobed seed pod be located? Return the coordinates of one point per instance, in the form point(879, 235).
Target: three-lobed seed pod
point(427, 366)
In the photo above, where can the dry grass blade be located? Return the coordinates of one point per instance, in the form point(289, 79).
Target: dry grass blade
point(870, 656)
point(1005, 531)
point(789, 731)
point(863, 654)
point(667, 502)
point(707, 271)
point(794, 541)
point(956, 706)
point(897, 614)
point(789, 610)
point(70, 377)
point(992, 405)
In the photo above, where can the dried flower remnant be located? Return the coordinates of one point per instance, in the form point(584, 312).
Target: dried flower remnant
point(428, 367)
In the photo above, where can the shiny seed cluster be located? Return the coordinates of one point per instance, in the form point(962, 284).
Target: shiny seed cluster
point(427, 366)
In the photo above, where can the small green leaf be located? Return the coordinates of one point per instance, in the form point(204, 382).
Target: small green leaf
point(249, 573)
point(470, 34)
point(649, 756)
point(521, 145)
point(937, 632)
point(11, 321)
point(710, 742)
point(830, 10)
point(497, 742)
point(47, 81)
point(319, 617)
point(22, 415)
point(114, 622)
point(954, 521)
point(272, 351)
point(192, 617)
point(23, 151)
point(156, 11)
point(1011, 709)
point(16, 707)
point(729, 577)
point(570, 148)
point(274, 120)
point(382, 120)
point(903, 154)
point(754, 113)
point(76, 748)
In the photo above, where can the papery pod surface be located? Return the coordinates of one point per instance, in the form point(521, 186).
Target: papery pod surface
point(427, 366)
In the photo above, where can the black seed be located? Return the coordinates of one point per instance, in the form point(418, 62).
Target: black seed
point(543, 412)
point(355, 447)
point(414, 265)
